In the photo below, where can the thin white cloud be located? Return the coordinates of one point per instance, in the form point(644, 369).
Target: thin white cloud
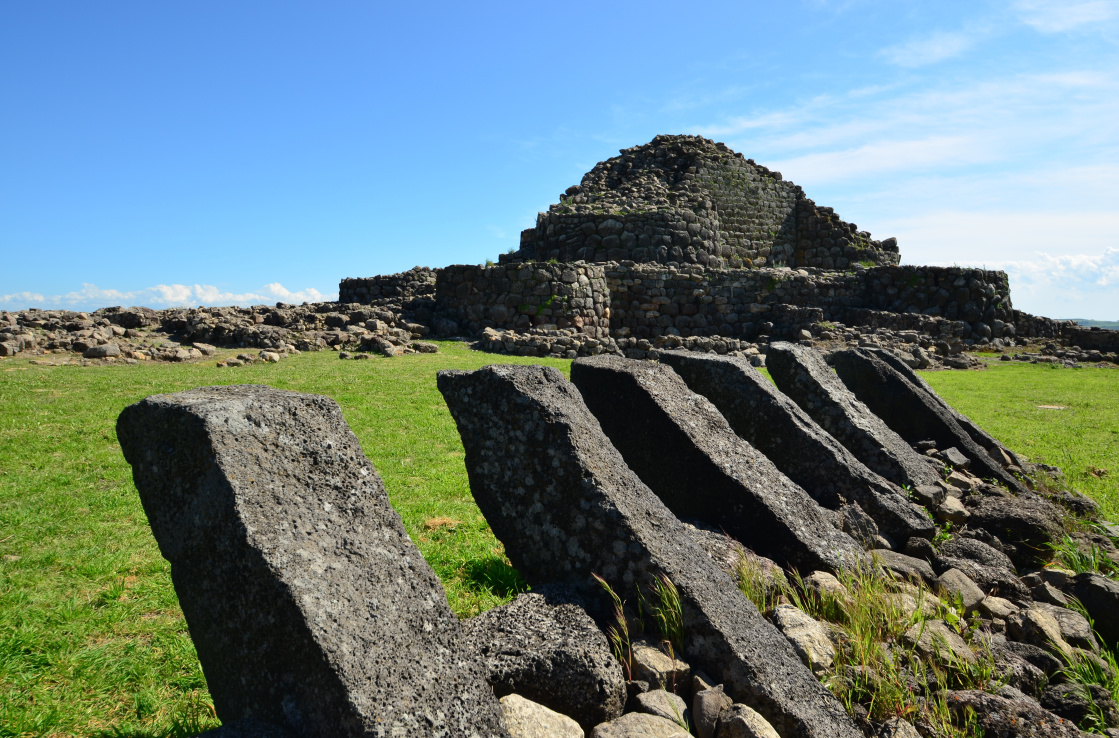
point(930, 49)
point(1058, 16)
point(886, 156)
point(91, 296)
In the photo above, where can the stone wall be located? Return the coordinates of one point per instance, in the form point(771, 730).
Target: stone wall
point(521, 297)
point(689, 200)
point(1100, 339)
point(416, 282)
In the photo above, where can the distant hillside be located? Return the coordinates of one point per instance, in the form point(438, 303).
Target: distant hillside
point(1112, 324)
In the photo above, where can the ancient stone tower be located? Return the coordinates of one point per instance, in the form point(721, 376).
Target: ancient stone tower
point(689, 200)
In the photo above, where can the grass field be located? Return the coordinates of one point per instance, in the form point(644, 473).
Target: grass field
point(92, 640)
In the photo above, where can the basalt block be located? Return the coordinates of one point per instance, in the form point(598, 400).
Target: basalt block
point(684, 450)
point(911, 411)
point(775, 425)
point(565, 505)
point(995, 450)
point(309, 606)
point(801, 374)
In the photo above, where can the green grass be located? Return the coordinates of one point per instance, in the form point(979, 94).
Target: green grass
point(1082, 439)
point(91, 635)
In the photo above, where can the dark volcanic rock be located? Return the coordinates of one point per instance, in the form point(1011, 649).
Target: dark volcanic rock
point(912, 412)
point(559, 496)
point(309, 606)
point(994, 449)
point(999, 717)
point(989, 568)
point(1100, 597)
point(1079, 703)
point(1026, 525)
point(802, 375)
point(546, 648)
point(683, 449)
point(805, 452)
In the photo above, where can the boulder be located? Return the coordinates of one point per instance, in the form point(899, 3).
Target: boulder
point(809, 638)
point(707, 706)
point(665, 704)
point(995, 450)
point(546, 648)
point(897, 728)
point(802, 375)
point(309, 606)
point(561, 499)
point(912, 412)
point(1038, 628)
point(905, 567)
point(639, 725)
point(528, 719)
point(934, 639)
point(103, 351)
point(684, 450)
point(1100, 597)
point(742, 722)
point(775, 425)
point(954, 584)
point(1080, 703)
point(653, 665)
point(999, 717)
point(1027, 523)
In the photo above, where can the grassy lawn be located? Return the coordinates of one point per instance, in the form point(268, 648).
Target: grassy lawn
point(91, 636)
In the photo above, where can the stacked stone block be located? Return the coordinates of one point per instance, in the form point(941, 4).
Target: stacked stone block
point(689, 200)
point(523, 297)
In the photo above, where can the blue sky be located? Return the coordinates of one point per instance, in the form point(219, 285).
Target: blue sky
point(237, 152)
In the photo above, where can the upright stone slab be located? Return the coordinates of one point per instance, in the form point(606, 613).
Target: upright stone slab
point(684, 450)
point(801, 374)
point(309, 606)
point(910, 411)
point(562, 500)
point(776, 426)
point(995, 449)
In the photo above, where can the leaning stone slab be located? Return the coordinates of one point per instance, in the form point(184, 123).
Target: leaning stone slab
point(544, 646)
point(995, 450)
point(309, 606)
point(775, 425)
point(684, 450)
point(562, 500)
point(801, 374)
point(912, 412)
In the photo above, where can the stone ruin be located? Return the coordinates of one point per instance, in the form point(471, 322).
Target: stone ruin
point(313, 614)
point(677, 244)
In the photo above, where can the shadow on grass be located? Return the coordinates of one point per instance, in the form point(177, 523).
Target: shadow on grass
point(496, 575)
point(177, 729)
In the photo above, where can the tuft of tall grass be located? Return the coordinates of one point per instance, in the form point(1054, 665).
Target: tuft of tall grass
point(1083, 558)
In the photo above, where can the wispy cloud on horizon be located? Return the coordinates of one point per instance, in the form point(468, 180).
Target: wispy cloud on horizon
point(930, 49)
point(91, 297)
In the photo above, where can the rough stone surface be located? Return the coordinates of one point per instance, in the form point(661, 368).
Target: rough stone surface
point(308, 604)
point(1000, 717)
point(1100, 597)
point(653, 665)
point(665, 704)
point(684, 450)
point(935, 639)
point(809, 638)
point(562, 500)
point(906, 567)
point(801, 374)
point(528, 719)
point(742, 722)
point(1026, 524)
point(775, 425)
point(1037, 628)
point(1074, 702)
point(954, 584)
point(897, 728)
point(639, 725)
point(911, 412)
point(1075, 628)
point(707, 706)
point(546, 648)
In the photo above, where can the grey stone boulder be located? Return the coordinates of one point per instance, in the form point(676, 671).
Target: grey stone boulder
point(528, 719)
point(1079, 703)
point(897, 728)
point(665, 704)
point(565, 505)
point(1026, 524)
point(639, 725)
point(934, 639)
point(955, 585)
point(988, 567)
point(809, 637)
point(545, 647)
point(1038, 628)
point(653, 665)
point(999, 717)
point(309, 606)
point(994, 448)
point(740, 721)
point(775, 425)
point(707, 706)
point(684, 450)
point(905, 567)
point(1100, 597)
point(911, 412)
point(103, 351)
point(802, 375)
